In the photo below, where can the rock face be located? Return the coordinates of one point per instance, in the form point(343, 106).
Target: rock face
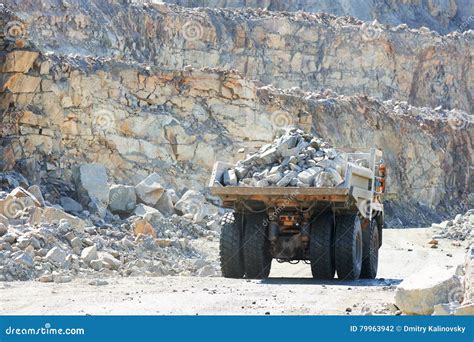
point(418, 294)
point(284, 49)
point(442, 16)
point(92, 188)
point(137, 119)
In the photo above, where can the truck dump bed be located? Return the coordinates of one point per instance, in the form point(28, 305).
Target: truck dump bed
point(358, 186)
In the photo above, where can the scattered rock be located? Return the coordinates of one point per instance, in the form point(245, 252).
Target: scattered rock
point(89, 253)
point(70, 205)
point(56, 255)
point(143, 227)
point(192, 203)
point(149, 190)
point(419, 293)
point(92, 188)
point(98, 282)
point(123, 199)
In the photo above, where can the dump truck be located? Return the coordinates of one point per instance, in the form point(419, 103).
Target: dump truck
point(334, 229)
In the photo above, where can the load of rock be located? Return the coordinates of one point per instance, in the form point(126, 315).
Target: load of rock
point(460, 228)
point(119, 235)
point(295, 159)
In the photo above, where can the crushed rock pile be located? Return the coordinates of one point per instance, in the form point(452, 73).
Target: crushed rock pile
point(294, 159)
point(460, 228)
point(55, 242)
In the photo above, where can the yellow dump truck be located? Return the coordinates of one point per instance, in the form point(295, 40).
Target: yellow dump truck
point(333, 229)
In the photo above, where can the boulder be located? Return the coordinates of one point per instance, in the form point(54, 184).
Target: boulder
point(51, 214)
point(89, 253)
point(192, 203)
point(56, 255)
point(165, 204)
point(143, 227)
point(15, 202)
point(92, 187)
point(149, 190)
point(419, 293)
point(35, 190)
point(109, 261)
point(147, 213)
point(122, 199)
point(70, 205)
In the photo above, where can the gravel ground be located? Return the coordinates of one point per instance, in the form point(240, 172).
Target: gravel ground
point(289, 290)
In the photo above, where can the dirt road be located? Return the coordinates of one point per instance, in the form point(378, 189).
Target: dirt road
point(289, 290)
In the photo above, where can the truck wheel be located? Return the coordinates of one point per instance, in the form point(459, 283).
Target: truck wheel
point(257, 256)
point(370, 251)
point(232, 261)
point(321, 247)
point(348, 246)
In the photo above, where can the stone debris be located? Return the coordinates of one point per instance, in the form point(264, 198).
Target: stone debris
point(40, 240)
point(122, 199)
point(294, 159)
point(460, 228)
point(149, 190)
point(419, 293)
point(92, 187)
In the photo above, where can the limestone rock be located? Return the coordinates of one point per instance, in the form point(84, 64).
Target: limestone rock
point(143, 227)
point(92, 188)
point(89, 253)
point(57, 255)
point(192, 203)
point(165, 204)
point(51, 214)
point(147, 213)
point(70, 205)
point(123, 198)
point(149, 190)
point(419, 293)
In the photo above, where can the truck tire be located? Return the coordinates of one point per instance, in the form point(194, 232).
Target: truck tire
point(348, 246)
point(321, 247)
point(257, 256)
point(370, 253)
point(232, 261)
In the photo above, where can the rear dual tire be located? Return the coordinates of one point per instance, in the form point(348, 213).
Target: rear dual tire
point(348, 247)
point(244, 246)
point(321, 247)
